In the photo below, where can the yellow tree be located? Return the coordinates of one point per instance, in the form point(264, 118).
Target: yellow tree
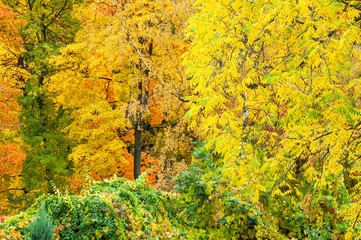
point(277, 93)
point(11, 46)
point(122, 78)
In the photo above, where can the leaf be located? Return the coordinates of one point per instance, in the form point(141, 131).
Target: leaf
point(98, 234)
point(105, 229)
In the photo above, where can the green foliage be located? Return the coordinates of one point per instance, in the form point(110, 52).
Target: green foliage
point(204, 207)
point(47, 147)
point(41, 228)
point(208, 208)
point(314, 214)
point(48, 26)
point(46, 21)
point(76, 218)
point(112, 209)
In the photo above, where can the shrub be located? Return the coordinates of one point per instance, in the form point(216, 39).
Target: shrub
point(42, 227)
point(112, 209)
point(208, 208)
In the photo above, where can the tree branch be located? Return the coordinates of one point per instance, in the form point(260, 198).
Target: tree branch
point(351, 5)
point(10, 125)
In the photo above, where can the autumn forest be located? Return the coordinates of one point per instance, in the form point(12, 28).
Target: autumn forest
point(180, 119)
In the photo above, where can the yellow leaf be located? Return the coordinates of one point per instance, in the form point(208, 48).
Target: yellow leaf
point(98, 234)
point(105, 229)
point(256, 196)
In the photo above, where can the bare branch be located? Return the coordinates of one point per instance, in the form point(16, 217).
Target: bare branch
point(11, 125)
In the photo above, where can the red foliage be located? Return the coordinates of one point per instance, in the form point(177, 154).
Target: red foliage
point(3, 218)
point(119, 212)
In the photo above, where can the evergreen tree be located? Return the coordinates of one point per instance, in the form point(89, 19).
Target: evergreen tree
point(42, 227)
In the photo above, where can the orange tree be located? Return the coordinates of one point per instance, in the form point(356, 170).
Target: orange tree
point(11, 156)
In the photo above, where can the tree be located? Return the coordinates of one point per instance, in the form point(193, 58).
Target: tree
point(11, 156)
point(42, 227)
point(126, 60)
point(49, 25)
point(278, 95)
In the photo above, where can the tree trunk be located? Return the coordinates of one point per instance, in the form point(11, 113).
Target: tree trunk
point(143, 101)
point(138, 133)
point(137, 151)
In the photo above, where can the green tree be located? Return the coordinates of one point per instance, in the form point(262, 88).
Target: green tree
point(49, 26)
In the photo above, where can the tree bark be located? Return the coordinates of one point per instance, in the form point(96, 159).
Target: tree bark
point(137, 151)
point(138, 133)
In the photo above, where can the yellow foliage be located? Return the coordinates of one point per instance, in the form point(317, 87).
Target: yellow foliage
point(123, 68)
point(276, 91)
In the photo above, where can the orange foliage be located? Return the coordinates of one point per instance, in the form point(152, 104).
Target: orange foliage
point(156, 105)
point(78, 180)
point(105, 10)
point(127, 170)
point(8, 106)
point(11, 156)
point(10, 24)
point(11, 44)
point(148, 163)
point(75, 182)
point(11, 159)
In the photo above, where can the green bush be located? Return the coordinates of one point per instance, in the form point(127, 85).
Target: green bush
point(208, 209)
point(203, 206)
point(112, 209)
point(316, 216)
